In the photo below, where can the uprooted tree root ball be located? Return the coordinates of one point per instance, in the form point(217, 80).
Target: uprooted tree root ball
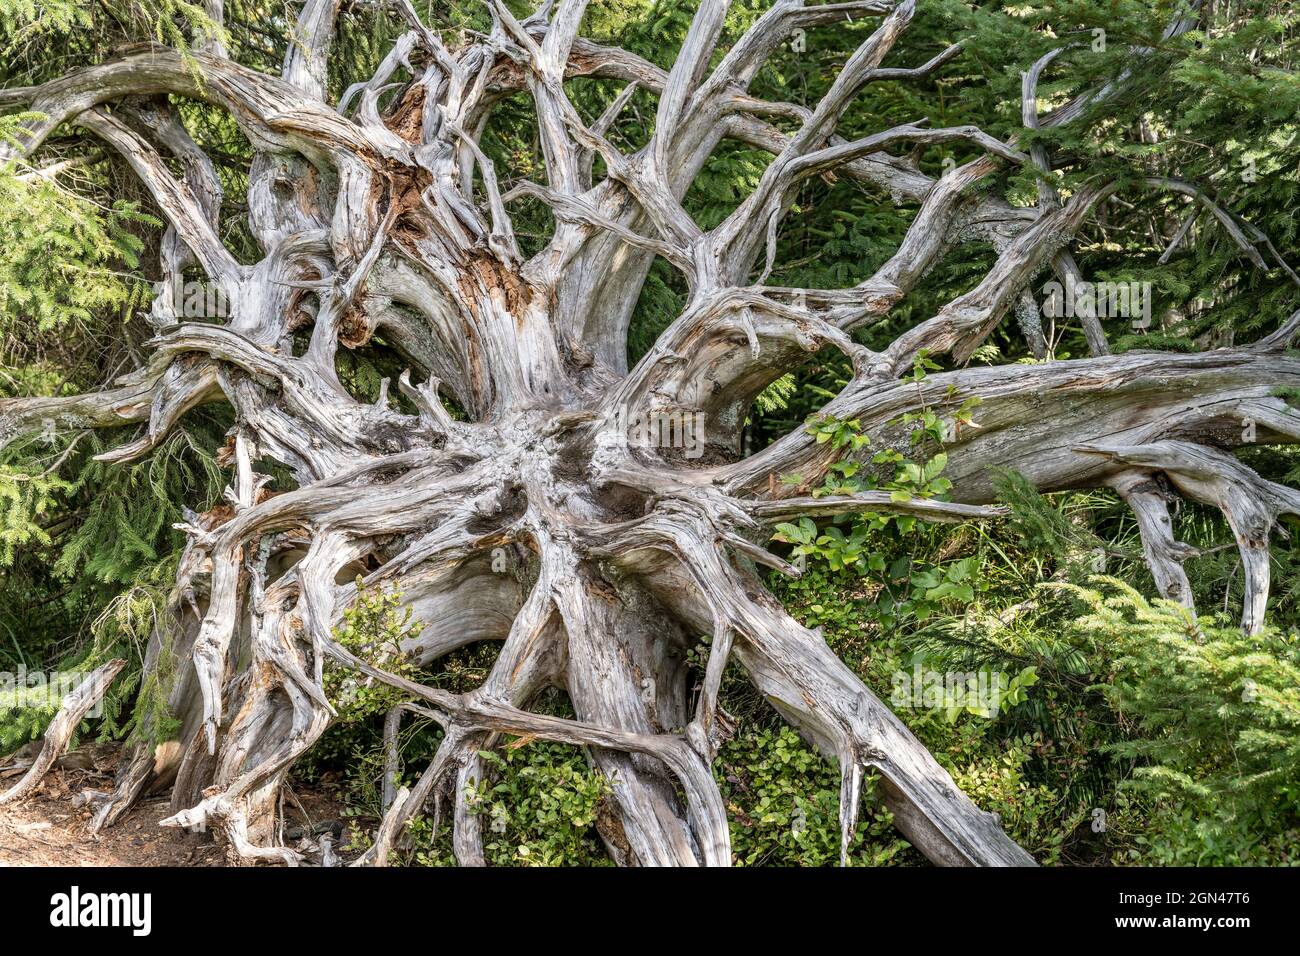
point(620, 551)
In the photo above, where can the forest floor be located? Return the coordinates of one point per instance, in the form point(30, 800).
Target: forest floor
point(46, 828)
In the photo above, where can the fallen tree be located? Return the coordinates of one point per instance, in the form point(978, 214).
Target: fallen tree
point(620, 550)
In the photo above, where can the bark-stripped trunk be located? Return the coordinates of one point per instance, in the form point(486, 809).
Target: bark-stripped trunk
point(370, 226)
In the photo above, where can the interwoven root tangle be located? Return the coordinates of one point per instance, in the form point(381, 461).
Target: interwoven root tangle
point(541, 518)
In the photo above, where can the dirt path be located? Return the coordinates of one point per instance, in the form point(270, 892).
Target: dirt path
point(47, 829)
point(49, 832)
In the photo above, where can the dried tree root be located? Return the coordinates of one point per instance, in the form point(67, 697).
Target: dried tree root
point(74, 708)
point(542, 522)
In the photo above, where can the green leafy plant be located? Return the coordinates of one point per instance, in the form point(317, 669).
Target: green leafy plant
point(537, 806)
point(1216, 717)
point(373, 628)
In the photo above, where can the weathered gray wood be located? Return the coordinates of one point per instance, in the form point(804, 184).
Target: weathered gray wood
point(541, 521)
point(72, 710)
